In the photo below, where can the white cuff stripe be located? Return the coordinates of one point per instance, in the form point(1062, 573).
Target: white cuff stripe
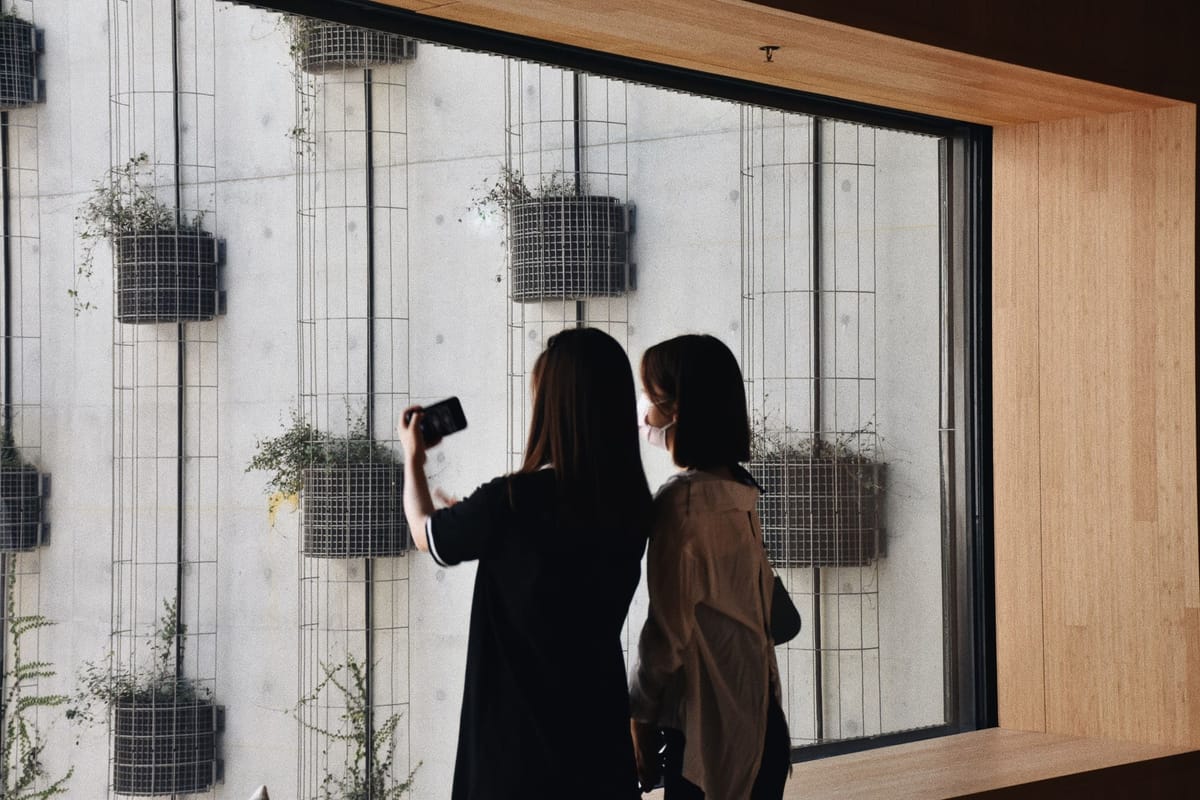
point(429, 540)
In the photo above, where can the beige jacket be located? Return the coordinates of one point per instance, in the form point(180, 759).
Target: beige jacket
point(706, 664)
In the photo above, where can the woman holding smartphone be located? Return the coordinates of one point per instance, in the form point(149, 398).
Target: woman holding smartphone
point(559, 544)
point(706, 686)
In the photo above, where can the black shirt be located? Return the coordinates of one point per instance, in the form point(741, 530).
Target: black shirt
point(545, 709)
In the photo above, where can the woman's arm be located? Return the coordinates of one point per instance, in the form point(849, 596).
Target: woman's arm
point(673, 580)
point(418, 505)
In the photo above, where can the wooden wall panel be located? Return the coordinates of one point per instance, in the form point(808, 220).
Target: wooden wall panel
point(1117, 411)
point(1016, 428)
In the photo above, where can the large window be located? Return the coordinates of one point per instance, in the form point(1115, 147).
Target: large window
point(392, 220)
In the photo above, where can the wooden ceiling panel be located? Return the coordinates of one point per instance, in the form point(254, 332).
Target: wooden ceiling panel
point(724, 36)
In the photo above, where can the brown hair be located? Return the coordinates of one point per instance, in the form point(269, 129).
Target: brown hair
point(699, 376)
point(584, 425)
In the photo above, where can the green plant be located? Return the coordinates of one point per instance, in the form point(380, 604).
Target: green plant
point(102, 685)
point(22, 747)
point(301, 445)
point(10, 456)
point(299, 28)
point(123, 203)
point(508, 187)
point(8, 11)
point(359, 781)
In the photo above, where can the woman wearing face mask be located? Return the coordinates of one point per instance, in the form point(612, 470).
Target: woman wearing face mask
point(706, 685)
point(559, 544)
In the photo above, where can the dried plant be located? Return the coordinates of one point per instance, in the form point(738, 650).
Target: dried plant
point(500, 193)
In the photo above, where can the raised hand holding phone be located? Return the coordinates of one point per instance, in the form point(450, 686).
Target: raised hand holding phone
point(438, 420)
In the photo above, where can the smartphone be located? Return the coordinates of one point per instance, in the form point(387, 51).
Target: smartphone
point(442, 419)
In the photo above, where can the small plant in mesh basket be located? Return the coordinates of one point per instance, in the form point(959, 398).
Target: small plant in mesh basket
point(346, 685)
point(24, 775)
point(19, 46)
point(563, 241)
point(164, 726)
point(20, 498)
point(508, 188)
point(320, 46)
point(349, 488)
point(165, 262)
point(822, 499)
point(105, 687)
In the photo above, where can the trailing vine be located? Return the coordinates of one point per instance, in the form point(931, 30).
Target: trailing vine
point(23, 745)
point(357, 782)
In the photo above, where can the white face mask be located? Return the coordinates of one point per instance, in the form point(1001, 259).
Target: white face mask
point(657, 437)
point(654, 435)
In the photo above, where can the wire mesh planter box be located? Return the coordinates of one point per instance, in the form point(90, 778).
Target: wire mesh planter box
point(21, 492)
point(568, 247)
point(353, 511)
point(820, 512)
point(19, 46)
point(162, 747)
point(327, 46)
point(166, 276)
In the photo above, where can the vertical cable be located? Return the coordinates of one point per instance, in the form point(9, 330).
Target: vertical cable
point(816, 405)
point(8, 277)
point(368, 564)
point(7, 422)
point(577, 143)
point(180, 351)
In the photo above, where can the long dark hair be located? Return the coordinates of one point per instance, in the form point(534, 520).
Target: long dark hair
point(699, 376)
point(584, 425)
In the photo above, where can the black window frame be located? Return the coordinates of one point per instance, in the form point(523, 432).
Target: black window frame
point(968, 589)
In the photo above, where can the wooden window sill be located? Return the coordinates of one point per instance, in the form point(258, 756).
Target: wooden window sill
point(1000, 764)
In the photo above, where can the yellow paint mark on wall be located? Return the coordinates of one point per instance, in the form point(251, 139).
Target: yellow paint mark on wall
point(278, 499)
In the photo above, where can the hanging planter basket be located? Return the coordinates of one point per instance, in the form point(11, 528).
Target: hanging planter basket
point(353, 511)
point(20, 44)
point(570, 247)
point(166, 276)
point(164, 747)
point(819, 512)
point(21, 492)
point(322, 47)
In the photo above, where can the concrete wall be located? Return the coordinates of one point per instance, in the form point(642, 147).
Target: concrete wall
point(679, 165)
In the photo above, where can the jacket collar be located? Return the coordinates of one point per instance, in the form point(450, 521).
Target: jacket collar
point(711, 493)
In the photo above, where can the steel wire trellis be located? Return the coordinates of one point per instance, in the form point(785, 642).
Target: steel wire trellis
point(165, 402)
point(353, 327)
point(23, 518)
point(809, 349)
point(568, 220)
